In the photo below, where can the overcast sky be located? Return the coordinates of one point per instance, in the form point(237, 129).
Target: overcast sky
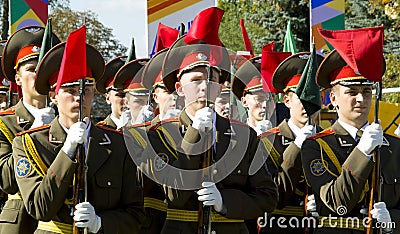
point(127, 18)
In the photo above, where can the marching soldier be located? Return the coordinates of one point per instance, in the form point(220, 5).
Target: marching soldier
point(284, 143)
point(19, 60)
point(223, 103)
point(45, 160)
point(338, 162)
point(114, 97)
point(231, 193)
point(128, 78)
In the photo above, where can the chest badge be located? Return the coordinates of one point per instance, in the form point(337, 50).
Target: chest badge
point(23, 167)
point(317, 167)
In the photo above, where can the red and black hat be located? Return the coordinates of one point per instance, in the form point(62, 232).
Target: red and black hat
point(287, 75)
point(22, 46)
point(106, 82)
point(49, 68)
point(152, 73)
point(129, 77)
point(248, 78)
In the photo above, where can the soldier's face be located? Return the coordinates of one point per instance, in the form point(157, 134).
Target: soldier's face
point(164, 99)
point(193, 87)
point(135, 103)
point(26, 77)
point(3, 102)
point(352, 103)
point(258, 104)
point(222, 105)
point(117, 101)
point(297, 112)
point(67, 101)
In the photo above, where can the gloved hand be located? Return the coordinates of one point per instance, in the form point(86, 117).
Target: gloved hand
point(371, 138)
point(145, 114)
point(126, 118)
point(380, 213)
point(171, 113)
point(77, 134)
point(305, 132)
point(312, 205)
point(85, 217)
point(44, 116)
point(203, 119)
point(210, 196)
point(262, 126)
point(397, 131)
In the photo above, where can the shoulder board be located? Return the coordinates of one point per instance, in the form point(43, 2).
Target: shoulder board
point(271, 131)
point(8, 112)
point(104, 127)
point(155, 126)
point(101, 123)
point(145, 124)
point(326, 132)
point(33, 129)
point(234, 121)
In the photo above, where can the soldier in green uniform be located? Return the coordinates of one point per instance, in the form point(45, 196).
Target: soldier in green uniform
point(4, 89)
point(227, 187)
point(129, 79)
point(114, 97)
point(338, 162)
point(45, 160)
point(19, 60)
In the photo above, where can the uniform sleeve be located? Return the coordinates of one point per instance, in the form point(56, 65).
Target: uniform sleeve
point(127, 216)
point(7, 182)
point(42, 196)
point(343, 190)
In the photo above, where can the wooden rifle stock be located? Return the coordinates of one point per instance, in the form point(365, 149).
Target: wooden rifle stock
point(376, 185)
point(80, 186)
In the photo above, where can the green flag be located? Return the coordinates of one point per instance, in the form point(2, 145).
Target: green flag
point(131, 52)
point(289, 45)
point(47, 41)
point(307, 89)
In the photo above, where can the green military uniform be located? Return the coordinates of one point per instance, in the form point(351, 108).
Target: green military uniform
point(45, 177)
point(22, 46)
point(339, 175)
point(108, 122)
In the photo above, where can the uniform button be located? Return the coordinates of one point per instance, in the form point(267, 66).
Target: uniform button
point(215, 171)
point(239, 171)
point(213, 232)
point(109, 183)
point(395, 180)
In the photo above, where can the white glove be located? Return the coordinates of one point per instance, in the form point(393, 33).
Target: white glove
point(77, 134)
point(262, 126)
point(312, 206)
point(371, 138)
point(305, 132)
point(126, 118)
point(210, 196)
point(171, 113)
point(397, 131)
point(203, 119)
point(86, 217)
point(381, 214)
point(44, 116)
point(145, 114)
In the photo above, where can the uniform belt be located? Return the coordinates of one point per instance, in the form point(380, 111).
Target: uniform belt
point(55, 227)
point(353, 223)
point(156, 204)
point(290, 210)
point(193, 216)
point(16, 196)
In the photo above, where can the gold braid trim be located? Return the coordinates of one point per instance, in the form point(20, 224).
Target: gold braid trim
point(32, 154)
point(325, 147)
point(9, 135)
point(139, 139)
point(160, 130)
point(271, 149)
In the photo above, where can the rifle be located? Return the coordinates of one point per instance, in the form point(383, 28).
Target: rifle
point(80, 186)
point(204, 226)
point(377, 180)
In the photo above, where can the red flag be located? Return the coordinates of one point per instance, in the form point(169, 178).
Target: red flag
point(362, 49)
point(269, 62)
point(247, 43)
point(73, 64)
point(205, 27)
point(166, 36)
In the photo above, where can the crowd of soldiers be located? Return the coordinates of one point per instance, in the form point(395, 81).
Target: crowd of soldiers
point(175, 155)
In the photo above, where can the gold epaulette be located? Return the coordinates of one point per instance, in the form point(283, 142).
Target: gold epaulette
point(173, 119)
point(34, 129)
point(104, 127)
point(271, 131)
point(326, 132)
point(8, 112)
point(101, 123)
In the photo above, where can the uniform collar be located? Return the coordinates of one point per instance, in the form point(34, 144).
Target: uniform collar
point(351, 129)
point(31, 109)
point(117, 122)
point(23, 116)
